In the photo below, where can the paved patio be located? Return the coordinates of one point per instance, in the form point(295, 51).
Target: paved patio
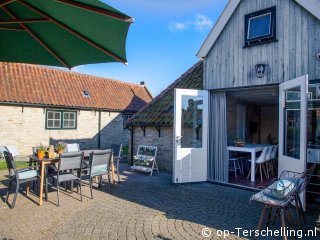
point(141, 207)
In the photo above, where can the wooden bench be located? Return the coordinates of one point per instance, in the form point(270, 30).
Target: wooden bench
point(145, 159)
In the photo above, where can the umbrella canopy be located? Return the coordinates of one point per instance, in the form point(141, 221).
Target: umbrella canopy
point(62, 33)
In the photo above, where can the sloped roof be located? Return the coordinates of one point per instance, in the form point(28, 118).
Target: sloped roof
point(159, 112)
point(32, 84)
point(311, 6)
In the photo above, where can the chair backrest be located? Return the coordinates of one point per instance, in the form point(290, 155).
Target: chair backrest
point(262, 157)
point(117, 149)
point(269, 152)
point(72, 147)
point(274, 152)
point(71, 160)
point(10, 162)
point(145, 150)
point(100, 157)
point(11, 149)
point(306, 175)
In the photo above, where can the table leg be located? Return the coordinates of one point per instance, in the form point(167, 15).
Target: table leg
point(112, 170)
point(41, 182)
point(253, 166)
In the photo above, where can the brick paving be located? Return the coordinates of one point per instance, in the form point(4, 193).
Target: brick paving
point(141, 207)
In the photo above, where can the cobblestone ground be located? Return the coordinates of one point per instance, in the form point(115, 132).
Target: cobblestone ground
point(141, 207)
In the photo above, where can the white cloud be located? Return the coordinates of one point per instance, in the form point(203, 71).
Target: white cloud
point(179, 26)
point(200, 23)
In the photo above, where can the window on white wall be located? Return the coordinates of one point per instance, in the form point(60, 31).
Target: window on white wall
point(60, 119)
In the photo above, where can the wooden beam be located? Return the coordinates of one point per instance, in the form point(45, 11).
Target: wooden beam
point(38, 11)
point(144, 130)
point(5, 2)
point(12, 28)
point(97, 10)
point(35, 36)
point(36, 20)
point(159, 130)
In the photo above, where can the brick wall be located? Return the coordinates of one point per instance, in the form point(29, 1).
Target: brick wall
point(25, 128)
point(164, 144)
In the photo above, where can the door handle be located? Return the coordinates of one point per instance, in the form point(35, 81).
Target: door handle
point(178, 137)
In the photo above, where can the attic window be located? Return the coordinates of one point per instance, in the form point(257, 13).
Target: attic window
point(85, 93)
point(260, 27)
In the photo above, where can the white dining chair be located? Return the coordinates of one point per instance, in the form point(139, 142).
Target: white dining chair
point(274, 155)
point(268, 161)
point(260, 162)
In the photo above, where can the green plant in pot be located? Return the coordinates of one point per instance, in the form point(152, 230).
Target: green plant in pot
point(59, 147)
point(41, 150)
point(238, 142)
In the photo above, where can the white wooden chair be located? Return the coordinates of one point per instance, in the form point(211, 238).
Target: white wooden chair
point(72, 147)
point(145, 160)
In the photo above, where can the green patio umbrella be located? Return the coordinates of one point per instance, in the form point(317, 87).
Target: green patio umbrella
point(62, 33)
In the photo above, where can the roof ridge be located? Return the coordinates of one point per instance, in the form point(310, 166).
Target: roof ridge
point(39, 85)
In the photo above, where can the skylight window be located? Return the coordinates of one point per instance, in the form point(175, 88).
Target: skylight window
point(260, 27)
point(85, 93)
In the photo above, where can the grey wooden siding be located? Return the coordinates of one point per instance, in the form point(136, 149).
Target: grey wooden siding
point(228, 64)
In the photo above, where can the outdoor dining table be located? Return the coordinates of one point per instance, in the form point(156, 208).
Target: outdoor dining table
point(249, 148)
point(49, 161)
point(42, 162)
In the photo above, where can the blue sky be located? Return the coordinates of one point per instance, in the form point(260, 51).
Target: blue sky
point(162, 42)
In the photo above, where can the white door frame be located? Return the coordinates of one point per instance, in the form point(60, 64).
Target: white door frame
point(189, 164)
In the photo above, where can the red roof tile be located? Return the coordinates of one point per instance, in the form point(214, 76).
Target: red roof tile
point(32, 84)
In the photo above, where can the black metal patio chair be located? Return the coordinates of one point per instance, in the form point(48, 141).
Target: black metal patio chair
point(19, 176)
point(99, 165)
point(68, 163)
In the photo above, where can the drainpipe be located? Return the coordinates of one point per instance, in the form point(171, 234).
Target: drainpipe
point(131, 152)
point(99, 130)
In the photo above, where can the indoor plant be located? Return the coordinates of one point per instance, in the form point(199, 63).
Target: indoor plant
point(238, 142)
point(41, 149)
point(59, 147)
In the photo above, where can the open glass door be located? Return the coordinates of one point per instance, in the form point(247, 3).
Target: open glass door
point(190, 136)
point(293, 99)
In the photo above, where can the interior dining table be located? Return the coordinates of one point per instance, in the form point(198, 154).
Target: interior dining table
point(249, 148)
point(49, 161)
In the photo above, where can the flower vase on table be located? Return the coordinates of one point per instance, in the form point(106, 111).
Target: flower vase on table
point(40, 154)
point(41, 149)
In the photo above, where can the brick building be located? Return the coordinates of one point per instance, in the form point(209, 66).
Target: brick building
point(153, 124)
point(41, 104)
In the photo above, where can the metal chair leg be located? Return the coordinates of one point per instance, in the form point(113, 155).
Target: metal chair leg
point(100, 181)
point(15, 196)
point(90, 183)
point(79, 184)
point(9, 189)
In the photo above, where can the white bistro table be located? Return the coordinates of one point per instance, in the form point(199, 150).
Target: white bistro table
point(249, 148)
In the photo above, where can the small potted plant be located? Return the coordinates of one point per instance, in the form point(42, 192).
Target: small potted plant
point(238, 142)
point(59, 147)
point(41, 149)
